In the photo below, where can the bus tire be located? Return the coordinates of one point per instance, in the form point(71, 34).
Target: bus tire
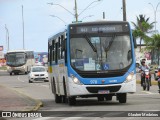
point(53, 86)
point(58, 99)
point(122, 97)
point(65, 92)
point(26, 72)
point(108, 97)
point(100, 98)
point(71, 100)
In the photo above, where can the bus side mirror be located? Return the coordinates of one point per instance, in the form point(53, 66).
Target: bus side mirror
point(129, 56)
point(134, 41)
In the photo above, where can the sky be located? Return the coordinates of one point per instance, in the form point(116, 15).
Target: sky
point(39, 25)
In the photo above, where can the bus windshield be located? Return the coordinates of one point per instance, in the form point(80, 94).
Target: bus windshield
point(100, 53)
point(16, 59)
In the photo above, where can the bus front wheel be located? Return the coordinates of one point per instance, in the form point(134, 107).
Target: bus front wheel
point(122, 97)
point(71, 100)
point(108, 97)
point(58, 99)
point(100, 98)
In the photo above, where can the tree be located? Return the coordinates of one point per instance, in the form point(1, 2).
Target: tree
point(142, 28)
point(153, 43)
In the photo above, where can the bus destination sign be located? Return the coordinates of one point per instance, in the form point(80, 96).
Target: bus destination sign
point(99, 29)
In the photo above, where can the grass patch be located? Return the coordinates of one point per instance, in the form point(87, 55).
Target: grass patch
point(3, 68)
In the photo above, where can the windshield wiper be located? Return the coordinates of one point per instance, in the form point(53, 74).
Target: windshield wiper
point(110, 43)
point(89, 42)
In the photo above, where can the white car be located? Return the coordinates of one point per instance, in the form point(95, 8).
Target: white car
point(38, 73)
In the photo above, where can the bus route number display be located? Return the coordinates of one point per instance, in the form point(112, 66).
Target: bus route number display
point(97, 29)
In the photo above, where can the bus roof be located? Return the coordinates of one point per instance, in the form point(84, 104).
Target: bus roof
point(100, 22)
point(19, 51)
point(85, 23)
point(57, 35)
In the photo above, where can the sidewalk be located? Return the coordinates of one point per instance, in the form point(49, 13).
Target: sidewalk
point(12, 100)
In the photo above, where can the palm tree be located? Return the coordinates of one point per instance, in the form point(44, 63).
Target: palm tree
point(153, 43)
point(142, 28)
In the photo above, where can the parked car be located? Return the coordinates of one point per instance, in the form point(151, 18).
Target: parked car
point(38, 73)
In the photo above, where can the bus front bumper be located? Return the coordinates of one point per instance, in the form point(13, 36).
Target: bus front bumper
point(82, 90)
point(16, 69)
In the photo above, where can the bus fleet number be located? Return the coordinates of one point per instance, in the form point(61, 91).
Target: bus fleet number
point(93, 81)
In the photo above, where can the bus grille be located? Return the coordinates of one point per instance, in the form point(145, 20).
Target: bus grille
point(110, 88)
point(100, 75)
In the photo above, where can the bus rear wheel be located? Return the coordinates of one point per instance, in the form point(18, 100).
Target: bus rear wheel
point(71, 100)
point(122, 97)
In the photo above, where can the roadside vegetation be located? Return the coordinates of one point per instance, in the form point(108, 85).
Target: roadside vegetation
point(3, 67)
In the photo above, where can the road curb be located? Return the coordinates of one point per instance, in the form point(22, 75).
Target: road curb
point(38, 102)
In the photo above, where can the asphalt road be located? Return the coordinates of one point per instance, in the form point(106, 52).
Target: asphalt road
point(139, 101)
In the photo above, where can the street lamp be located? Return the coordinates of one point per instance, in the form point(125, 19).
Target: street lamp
point(88, 6)
point(87, 17)
point(59, 19)
point(155, 12)
point(76, 15)
point(63, 8)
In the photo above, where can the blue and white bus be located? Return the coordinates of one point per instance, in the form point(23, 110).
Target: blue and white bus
point(92, 59)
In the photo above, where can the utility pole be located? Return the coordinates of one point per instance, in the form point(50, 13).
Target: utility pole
point(103, 15)
point(124, 10)
point(23, 26)
point(7, 37)
point(76, 13)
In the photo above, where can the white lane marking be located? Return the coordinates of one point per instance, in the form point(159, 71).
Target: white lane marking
point(51, 118)
point(44, 118)
point(151, 110)
point(40, 85)
point(144, 94)
point(18, 78)
point(47, 86)
point(147, 92)
point(72, 118)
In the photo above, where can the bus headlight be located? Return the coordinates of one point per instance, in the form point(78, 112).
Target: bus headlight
point(75, 80)
point(130, 77)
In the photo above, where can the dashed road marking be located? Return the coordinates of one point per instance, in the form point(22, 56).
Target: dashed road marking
point(20, 79)
point(47, 86)
point(147, 92)
point(144, 93)
point(44, 118)
point(72, 118)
